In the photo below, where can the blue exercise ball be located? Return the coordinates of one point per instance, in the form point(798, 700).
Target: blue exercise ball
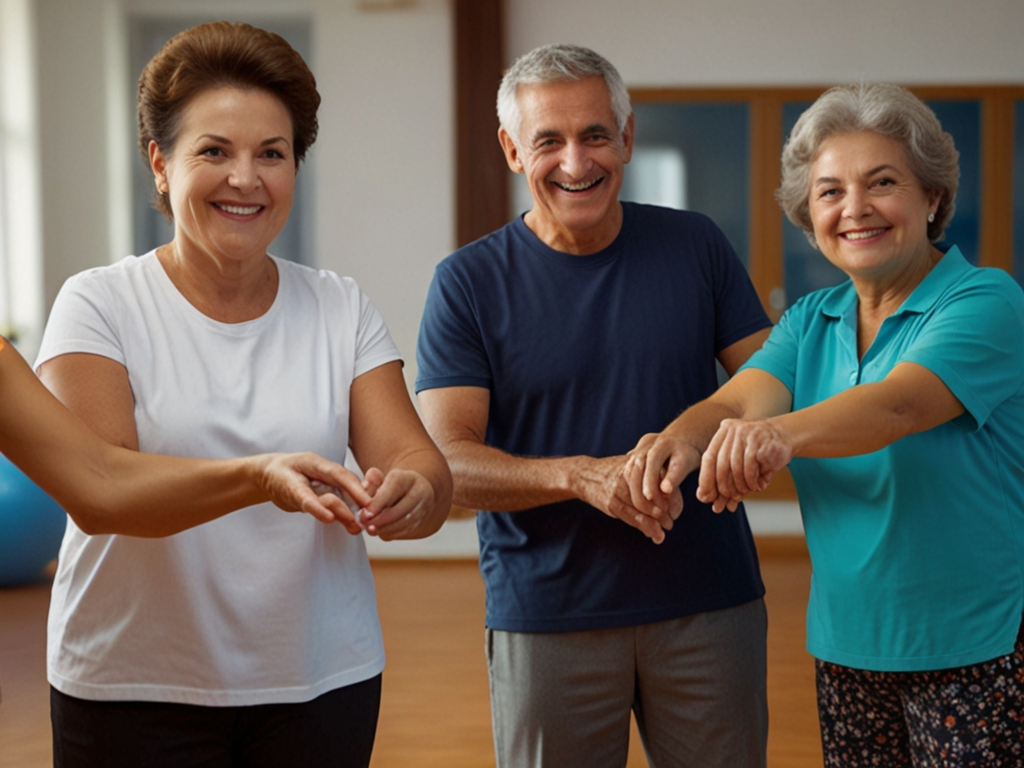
point(31, 527)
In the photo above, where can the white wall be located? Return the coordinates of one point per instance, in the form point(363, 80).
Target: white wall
point(385, 156)
point(752, 42)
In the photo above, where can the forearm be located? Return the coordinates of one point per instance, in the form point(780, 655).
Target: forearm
point(864, 419)
point(145, 495)
point(698, 424)
point(490, 479)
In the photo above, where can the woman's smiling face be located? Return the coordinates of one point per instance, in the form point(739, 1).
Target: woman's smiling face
point(868, 209)
point(231, 174)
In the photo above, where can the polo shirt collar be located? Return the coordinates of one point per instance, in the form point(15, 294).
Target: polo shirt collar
point(947, 271)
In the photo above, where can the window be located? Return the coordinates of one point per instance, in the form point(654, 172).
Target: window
point(21, 294)
point(742, 172)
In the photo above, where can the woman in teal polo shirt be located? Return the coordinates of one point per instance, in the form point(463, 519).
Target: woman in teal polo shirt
point(897, 400)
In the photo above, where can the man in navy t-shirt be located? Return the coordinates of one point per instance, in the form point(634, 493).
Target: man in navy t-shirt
point(547, 350)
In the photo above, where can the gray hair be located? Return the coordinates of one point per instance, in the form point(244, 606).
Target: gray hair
point(885, 109)
point(553, 64)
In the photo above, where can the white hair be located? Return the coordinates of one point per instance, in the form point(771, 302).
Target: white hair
point(556, 63)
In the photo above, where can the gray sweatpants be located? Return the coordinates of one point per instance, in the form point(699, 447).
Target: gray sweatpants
point(697, 686)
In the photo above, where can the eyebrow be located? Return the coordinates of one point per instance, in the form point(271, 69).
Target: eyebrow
point(264, 143)
point(872, 172)
point(551, 133)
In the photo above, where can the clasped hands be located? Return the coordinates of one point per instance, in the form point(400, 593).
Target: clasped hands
point(742, 457)
point(389, 506)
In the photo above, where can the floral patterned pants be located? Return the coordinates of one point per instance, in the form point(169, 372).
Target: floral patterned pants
point(969, 716)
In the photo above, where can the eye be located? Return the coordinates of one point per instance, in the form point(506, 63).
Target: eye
point(274, 154)
point(212, 152)
point(829, 192)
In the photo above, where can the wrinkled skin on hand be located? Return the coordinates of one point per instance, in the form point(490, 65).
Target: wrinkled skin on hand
point(742, 458)
point(604, 485)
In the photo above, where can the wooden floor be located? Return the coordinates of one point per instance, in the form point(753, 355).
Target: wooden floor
point(435, 710)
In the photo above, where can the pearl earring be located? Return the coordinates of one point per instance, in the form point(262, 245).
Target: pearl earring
point(931, 217)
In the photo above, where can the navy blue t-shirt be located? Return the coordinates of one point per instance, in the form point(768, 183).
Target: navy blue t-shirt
point(582, 356)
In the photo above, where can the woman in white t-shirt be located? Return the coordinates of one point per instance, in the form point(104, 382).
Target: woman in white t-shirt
point(252, 639)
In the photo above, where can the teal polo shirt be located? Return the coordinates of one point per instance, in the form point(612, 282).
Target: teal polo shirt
point(917, 549)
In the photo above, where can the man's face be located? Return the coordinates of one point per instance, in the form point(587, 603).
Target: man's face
point(573, 158)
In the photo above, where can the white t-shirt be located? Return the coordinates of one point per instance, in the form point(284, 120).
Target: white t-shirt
point(256, 607)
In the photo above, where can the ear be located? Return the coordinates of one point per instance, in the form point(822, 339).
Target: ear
point(627, 139)
point(158, 164)
point(512, 156)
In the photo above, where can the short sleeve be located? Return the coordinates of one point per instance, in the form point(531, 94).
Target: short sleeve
point(374, 345)
point(450, 351)
point(82, 320)
point(780, 352)
point(738, 310)
point(974, 341)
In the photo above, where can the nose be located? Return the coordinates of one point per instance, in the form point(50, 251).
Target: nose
point(857, 204)
point(244, 175)
point(575, 160)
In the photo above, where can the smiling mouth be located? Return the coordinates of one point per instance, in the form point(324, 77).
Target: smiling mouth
point(239, 210)
point(582, 186)
point(863, 234)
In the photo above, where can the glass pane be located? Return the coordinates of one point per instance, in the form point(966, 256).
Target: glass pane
point(697, 157)
point(962, 119)
point(1018, 196)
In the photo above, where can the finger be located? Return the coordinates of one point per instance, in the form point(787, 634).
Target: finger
point(311, 505)
point(373, 479)
point(707, 485)
point(752, 464)
point(654, 465)
point(331, 473)
point(675, 508)
point(737, 451)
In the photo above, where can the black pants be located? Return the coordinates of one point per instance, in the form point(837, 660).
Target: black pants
point(335, 729)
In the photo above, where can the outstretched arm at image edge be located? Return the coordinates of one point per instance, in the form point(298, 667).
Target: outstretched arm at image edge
point(108, 489)
point(491, 479)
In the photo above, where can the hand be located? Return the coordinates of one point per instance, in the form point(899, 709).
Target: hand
point(400, 501)
point(741, 458)
point(654, 470)
point(309, 483)
point(602, 484)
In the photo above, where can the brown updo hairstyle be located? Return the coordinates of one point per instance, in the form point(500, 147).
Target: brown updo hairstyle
point(214, 55)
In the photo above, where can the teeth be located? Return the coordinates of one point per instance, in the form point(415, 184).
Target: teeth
point(240, 210)
point(578, 187)
point(862, 235)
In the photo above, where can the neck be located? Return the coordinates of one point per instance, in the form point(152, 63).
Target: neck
point(226, 290)
point(577, 242)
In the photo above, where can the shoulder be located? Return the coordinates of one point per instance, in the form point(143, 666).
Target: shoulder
point(319, 281)
point(692, 223)
point(485, 253)
point(127, 269)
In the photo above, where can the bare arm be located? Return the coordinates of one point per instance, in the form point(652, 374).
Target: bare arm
point(745, 455)
point(108, 489)
point(487, 478)
point(661, 461)
point(413, 485)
